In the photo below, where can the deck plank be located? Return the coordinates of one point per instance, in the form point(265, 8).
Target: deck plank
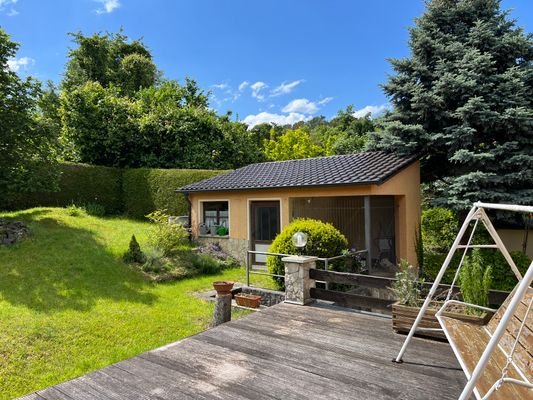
point(284, 352)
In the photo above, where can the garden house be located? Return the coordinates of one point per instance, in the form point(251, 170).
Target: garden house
point(373, 198)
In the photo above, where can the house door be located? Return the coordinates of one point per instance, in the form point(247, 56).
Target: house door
point(265, 226)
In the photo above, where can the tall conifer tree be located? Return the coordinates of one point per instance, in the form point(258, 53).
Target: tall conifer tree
point(463, 101)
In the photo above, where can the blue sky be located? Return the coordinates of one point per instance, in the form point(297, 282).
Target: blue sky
point(269, 60)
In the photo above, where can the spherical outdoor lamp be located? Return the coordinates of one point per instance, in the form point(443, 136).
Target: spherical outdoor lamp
point(299, 240)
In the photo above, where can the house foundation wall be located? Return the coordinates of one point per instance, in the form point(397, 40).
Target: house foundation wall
point(237, 248)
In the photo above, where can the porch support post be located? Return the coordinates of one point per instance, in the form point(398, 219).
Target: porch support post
point(368, 234)
point(298, 284)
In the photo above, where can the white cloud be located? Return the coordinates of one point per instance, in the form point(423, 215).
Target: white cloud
point(9, 3)
point(278, 119)
point(324, 101)
point(257, 87)
point(19, 64)
point(108, 6)
point(4, 3)
point(220, 86)
point(303, 106)
point(243, 85)
point(373, 110)
point(285, 88)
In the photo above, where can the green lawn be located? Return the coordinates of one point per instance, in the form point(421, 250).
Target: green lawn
point(69, 305)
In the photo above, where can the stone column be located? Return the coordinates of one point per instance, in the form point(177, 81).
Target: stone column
point(222, 309)
point(297, 281)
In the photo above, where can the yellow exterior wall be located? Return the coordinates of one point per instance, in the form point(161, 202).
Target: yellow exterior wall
point(405, 186)
point(513, 240)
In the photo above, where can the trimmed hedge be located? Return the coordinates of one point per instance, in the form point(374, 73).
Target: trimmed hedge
point(79, 184)
point(134, 192)
point(323, 240)
point(146, 189)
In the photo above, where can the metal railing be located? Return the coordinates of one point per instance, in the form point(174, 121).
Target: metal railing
point(325, 260)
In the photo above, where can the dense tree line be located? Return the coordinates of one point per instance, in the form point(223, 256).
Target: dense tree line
point(27, 145)
point(462, 101)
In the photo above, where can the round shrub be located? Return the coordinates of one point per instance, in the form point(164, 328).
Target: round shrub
point(323, 240)
point(439, 228)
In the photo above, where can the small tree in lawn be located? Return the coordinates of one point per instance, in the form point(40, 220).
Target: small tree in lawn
point(463, 100)
point(134, 253)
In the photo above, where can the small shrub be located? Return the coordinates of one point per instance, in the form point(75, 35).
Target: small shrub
point(206, 264)
point(439, 229)
point(323, 240)
point(94, 209)
point(154, 261)
point(503, 277)
point(134, 253)
point(475, 281)
point(75, 211)
point(214, 250)
point(166, 236)
point(407, 286)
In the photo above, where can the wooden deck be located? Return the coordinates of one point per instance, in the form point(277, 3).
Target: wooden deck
point(284, 352)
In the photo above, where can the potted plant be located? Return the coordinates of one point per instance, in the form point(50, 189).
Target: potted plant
point(222, 230)
point(213, 230)
point(475, 283)
point(223, 287)
point(407, 289)
point(248, 300)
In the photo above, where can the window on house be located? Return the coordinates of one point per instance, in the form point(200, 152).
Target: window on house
point(216, 213)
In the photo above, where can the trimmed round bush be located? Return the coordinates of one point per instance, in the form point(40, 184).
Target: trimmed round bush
point(323, 240)
point(439, 228)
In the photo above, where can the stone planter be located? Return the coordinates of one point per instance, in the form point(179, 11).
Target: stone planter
point(403, 317)
point(248, 300)
point(223, 287)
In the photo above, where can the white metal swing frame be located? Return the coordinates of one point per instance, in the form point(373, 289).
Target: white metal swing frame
point(477, 213)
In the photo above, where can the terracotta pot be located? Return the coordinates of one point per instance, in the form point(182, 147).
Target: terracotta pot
point(223, 287)
point(248, 300)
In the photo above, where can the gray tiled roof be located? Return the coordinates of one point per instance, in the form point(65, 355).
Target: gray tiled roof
point(350, 169)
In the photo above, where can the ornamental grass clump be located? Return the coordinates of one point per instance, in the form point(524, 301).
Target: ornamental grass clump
point(475, 281)
point(407, 286)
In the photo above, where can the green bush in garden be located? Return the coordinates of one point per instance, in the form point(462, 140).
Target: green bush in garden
point(439, 228)
point(475, 279)
point(323, 240)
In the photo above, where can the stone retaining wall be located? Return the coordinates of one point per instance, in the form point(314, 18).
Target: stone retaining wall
point(268, 297)
point(237, 248)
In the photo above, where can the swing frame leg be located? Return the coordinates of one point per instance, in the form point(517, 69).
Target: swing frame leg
point(435, 285)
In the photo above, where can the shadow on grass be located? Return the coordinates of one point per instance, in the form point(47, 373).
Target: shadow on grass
point(59, 267)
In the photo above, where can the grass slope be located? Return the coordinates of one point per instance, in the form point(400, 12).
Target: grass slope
point(69, 305)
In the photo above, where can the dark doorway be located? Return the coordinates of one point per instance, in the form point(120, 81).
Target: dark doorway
point(264, 226)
